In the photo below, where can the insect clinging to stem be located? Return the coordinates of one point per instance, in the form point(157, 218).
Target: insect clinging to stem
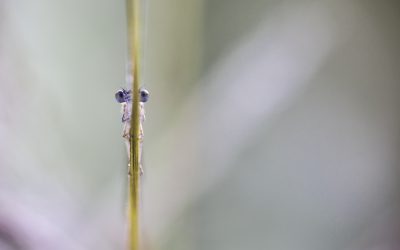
point(124, 97)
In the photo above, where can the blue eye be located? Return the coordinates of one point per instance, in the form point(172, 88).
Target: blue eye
point(123, 95)
point(144, 95)
point(120, 96)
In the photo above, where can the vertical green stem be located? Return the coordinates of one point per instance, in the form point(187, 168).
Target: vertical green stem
point(134, 154)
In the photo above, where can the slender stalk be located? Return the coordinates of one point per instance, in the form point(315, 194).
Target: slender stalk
point(134, 159)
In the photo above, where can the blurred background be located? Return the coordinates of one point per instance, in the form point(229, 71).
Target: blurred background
point(271, 125)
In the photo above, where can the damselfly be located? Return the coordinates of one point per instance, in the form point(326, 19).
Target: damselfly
point(124, 97)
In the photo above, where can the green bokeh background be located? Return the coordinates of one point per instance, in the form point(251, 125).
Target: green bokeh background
point(271, 124)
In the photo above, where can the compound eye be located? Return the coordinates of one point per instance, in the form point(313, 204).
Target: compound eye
point(120, 96)
point(144, 95)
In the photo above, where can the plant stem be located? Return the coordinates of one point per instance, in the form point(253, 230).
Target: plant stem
point(134, 154)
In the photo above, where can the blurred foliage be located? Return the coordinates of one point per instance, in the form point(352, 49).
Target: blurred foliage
point(273, 124)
